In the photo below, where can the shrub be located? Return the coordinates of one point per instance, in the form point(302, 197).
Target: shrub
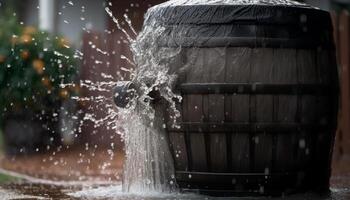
point(33, 67)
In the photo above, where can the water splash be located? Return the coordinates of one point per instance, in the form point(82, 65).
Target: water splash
point(149, 164)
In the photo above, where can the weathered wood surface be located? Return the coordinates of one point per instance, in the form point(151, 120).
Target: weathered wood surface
point(208, 149)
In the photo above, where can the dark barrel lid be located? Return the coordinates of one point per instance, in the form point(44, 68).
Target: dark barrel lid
point(256, 23)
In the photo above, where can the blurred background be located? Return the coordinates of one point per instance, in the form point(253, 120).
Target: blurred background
point(51, 126)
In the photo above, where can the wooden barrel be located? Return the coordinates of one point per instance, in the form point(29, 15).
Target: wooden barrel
point(260, 97)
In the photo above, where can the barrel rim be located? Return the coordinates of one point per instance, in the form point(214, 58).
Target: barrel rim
point(242, 26)
point(228, 14)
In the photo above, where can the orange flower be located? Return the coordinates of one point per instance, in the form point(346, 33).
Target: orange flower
point(75, 88)
point(64, 94)
point(64, 42)
point(2, 58)
point(25, 55)
point(38, 66)
point(26, 38)
point(46, 82)
point(29, 30)
point(14, 39)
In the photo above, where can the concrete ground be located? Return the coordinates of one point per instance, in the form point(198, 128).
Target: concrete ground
point(73, 165)
point(56, 175)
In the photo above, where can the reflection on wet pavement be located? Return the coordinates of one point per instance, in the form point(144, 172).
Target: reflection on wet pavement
point(6, 194)
point(52, 181)
point(72, 165)
point(34, 191)
point(114, 192)
point(27, 191)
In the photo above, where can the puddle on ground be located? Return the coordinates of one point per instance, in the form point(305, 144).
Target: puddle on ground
point(7, 194)
point(28, 191)
point(31, 191)
point(115, 192)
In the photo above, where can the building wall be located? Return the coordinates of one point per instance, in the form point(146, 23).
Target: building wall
point(71, 20)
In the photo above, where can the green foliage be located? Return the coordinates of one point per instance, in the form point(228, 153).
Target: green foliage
point(34, 67)
point(1, 144)
point(6, 179)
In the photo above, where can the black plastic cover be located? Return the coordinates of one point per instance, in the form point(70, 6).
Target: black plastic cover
point(297, 26)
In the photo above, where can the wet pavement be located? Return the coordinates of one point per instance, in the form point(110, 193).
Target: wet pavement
point(97, 175)
point(35, 191)
point(28, 191)
point(73, 165)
